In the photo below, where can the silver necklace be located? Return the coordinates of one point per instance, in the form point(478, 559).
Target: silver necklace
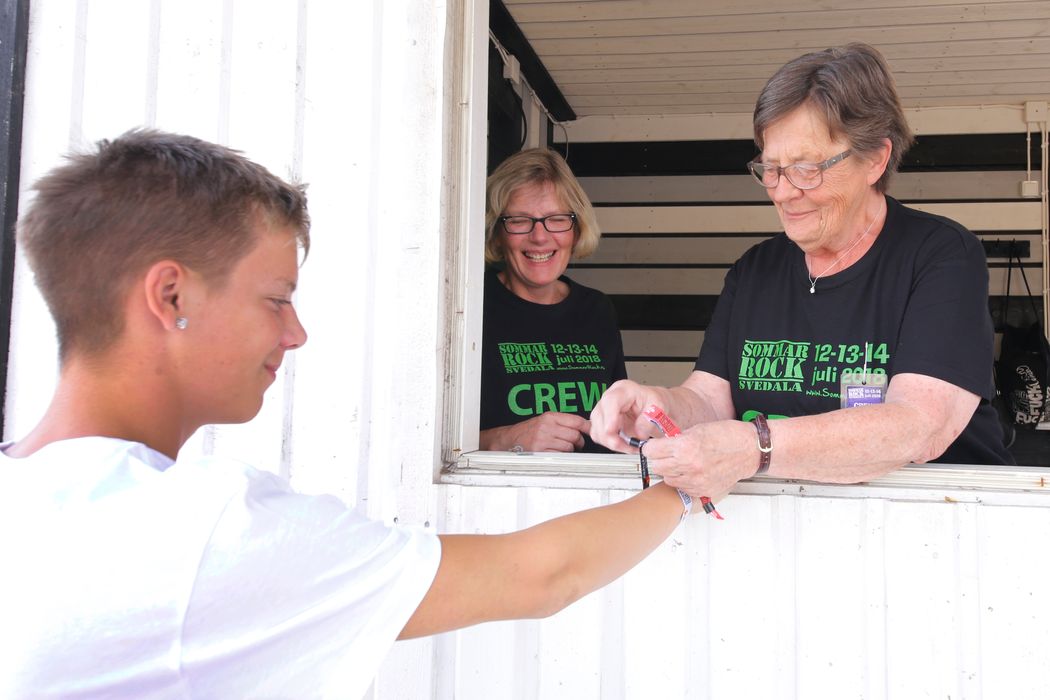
point(813, 280)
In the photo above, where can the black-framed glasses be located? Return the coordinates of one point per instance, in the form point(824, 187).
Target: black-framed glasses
point(554, 223)
point(805, 176)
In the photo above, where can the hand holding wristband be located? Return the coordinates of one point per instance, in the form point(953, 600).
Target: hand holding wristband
point(666, 427)
point(765, 444)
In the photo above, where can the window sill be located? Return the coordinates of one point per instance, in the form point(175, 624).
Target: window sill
point(994, 485)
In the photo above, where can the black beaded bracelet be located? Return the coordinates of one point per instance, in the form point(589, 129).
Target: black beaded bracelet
point(765, 443)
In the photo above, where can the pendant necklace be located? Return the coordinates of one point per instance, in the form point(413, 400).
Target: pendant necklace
point(813, 280)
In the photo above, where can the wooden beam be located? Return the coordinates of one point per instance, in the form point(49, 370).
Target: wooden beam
point(14, 37)
point(507, 32)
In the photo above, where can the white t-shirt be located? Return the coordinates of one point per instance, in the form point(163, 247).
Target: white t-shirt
point(123, 574)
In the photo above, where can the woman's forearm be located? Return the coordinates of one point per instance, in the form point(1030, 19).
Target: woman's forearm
point(918, 422)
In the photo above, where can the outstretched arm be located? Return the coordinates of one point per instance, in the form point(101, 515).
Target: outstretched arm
point(538, 571)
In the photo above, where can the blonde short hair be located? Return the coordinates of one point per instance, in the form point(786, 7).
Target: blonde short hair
point(536, 166)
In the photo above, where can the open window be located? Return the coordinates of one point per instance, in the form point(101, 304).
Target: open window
point(677, 208)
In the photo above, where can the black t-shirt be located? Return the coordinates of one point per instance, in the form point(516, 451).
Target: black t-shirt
point(917, 302)
point(546, 357)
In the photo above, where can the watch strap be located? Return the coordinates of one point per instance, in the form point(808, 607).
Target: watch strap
point(765, 443)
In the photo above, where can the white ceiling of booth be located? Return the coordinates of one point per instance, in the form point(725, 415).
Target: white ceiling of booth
point(635, 57)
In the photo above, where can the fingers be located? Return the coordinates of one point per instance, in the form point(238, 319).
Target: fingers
point(681, 462)
point(568, 420)
point(616, 411)
point(571, 428)
point(555, 432)
point(584, 429)
point(704, 460)
point(660, 458)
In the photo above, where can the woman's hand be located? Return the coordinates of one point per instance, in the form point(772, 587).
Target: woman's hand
point(547, 432)
point(707, 459)
point(702, 397)
point(620, 408)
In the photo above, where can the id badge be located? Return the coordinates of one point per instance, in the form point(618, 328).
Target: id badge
point(862, 388)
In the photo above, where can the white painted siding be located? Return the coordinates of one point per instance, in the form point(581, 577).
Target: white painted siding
point(346, 96)
point(788, 598)
point(877, 594)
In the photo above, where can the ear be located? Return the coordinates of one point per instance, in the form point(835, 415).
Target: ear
point(163, 284)
point(878, 160)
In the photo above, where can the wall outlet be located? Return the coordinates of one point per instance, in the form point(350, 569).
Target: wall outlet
point(1034, 112)
point(1030, 188)
point(512, 70)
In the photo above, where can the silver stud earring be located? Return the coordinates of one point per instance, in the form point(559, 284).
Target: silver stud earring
point(181, 322)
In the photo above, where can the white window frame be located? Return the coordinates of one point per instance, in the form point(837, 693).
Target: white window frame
point(460, 460)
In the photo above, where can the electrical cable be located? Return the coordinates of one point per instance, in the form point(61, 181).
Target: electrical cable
point(1028, 150)
point(524, 118)
point(505, 55)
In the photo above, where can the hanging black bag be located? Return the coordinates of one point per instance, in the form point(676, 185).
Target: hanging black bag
point(1023, 368)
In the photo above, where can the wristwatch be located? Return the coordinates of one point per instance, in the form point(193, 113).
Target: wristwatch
point(765, 444)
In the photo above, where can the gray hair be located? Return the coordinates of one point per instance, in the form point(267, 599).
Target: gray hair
point(852, 87)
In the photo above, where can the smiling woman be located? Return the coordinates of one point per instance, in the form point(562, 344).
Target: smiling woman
point(550, 346)
point(536, 246)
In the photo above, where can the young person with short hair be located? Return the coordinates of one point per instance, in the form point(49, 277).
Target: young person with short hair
point(169, 265)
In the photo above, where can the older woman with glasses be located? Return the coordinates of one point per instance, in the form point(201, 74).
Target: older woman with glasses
point(550, 346)
point(863, 328)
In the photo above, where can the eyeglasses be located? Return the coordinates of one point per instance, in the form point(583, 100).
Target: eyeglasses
point(805, 176)
point(554, 223)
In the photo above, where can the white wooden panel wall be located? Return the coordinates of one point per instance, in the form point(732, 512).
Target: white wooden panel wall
point(789, 598)
point(345, 96)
